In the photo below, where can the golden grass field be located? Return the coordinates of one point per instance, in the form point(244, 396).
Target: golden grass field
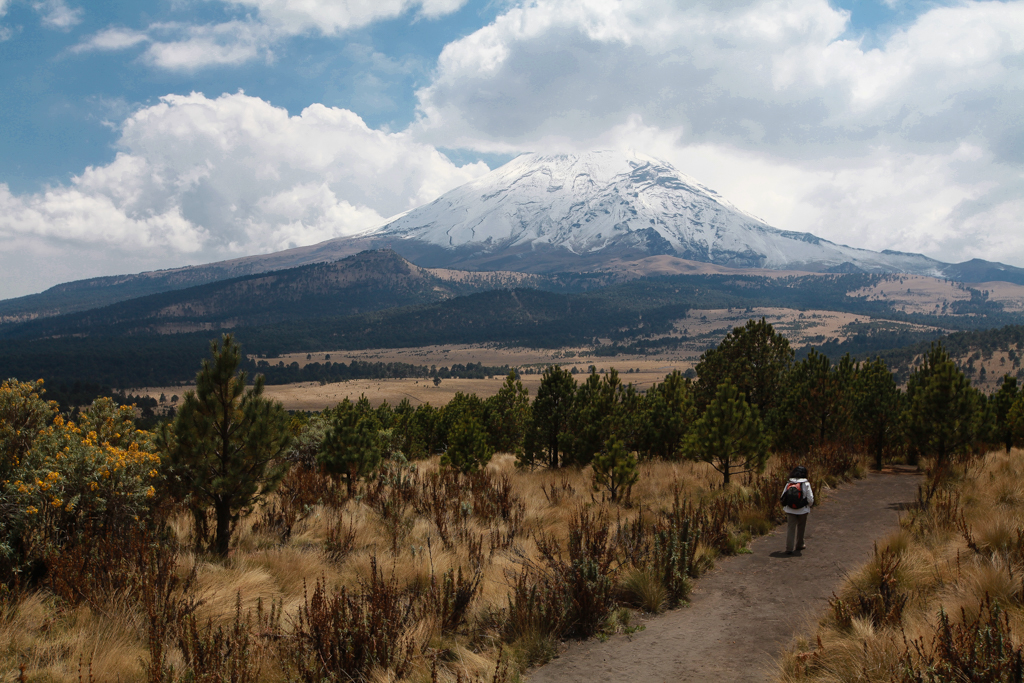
point(108, 641)
point(964, 547)
point(707, 326)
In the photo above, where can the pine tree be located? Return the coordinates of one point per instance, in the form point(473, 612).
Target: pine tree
point(547, 433)
point(1001, 402)
point(729, 435)
point(944, 413)
point(351, 448)
point(508, 415)
point(228, 442)
point(877, 405)
point(597, 415)
point(468, 450)
point(615, 469)
point(817, 406)
point(754, 358)
point(672, 413)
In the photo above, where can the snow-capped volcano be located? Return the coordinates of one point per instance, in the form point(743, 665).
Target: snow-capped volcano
point(549, 208)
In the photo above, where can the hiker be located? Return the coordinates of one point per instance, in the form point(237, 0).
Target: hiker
point(797, 499)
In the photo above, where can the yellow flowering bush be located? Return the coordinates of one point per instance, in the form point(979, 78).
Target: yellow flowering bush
point(61, 481)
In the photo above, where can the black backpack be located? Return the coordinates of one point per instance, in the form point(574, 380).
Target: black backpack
point(793, 495)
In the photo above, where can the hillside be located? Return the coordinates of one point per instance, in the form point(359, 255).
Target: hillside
point(640, 316)
point(366, 282)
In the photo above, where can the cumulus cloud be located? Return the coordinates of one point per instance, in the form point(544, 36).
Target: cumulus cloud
point(178, 46)
point(199, 179)
point(56, 14)
point(193, 47)
point(111, 39)
point(915, 144)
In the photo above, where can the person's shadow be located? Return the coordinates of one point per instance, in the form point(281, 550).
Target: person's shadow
point(783, 554)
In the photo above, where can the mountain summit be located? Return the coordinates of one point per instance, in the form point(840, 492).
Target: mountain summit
point(566, 211)
point(547, 214)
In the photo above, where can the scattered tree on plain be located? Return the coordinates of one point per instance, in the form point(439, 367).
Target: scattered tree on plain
point(227, 446)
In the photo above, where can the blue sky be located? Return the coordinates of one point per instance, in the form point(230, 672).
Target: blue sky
point(157, 133)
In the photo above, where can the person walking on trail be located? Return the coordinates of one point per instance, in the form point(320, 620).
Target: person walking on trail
point(797, 499)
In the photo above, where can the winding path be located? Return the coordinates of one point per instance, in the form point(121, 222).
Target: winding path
point(749, 608)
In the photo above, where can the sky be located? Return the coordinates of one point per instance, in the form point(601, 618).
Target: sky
point(148, 134)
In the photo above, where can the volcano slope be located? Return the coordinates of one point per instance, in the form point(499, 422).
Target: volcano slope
point(750, 607)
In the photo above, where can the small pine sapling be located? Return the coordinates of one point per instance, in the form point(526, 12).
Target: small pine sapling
point(615, 469)
point(350, 448)
point(468, 450)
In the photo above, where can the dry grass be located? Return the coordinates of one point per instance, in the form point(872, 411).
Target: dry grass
point(951, 580)
point(456, 548)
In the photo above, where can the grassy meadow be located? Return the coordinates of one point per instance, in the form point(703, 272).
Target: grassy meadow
point(943, 598)
point(436, 574)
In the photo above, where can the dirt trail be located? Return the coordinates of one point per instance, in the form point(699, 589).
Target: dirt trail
point(750, 607)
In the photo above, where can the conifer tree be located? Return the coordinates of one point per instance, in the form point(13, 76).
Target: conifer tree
point(877, 405)
point(228, 443)
point(350, 448)
point(672, 412)
point(615, 469)
point(547, 433)
point(1001, 402)
point(1015, 420)
point(754, 358)
point(817, 406)
point(944, 413)
point(508, 415)
point(468, 450)
point(729, 435)
point(597, 415)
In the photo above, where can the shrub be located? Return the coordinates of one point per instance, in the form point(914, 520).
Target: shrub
point(343, 635)
point(615, 469)
point(66, 482)
point(981, 650)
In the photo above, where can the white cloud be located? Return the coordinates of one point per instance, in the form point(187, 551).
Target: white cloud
point(914, 145)
point(199, 179)
point(56, 14)
point(330, 17)
point(111, 39)
point(188, 47)
point(230, 43)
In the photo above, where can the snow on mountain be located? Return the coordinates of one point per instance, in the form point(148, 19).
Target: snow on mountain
point(614, 204)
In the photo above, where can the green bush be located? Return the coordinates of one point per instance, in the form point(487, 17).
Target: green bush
point(63, 482)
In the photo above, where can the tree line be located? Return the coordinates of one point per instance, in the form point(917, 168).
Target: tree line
point(228, 445)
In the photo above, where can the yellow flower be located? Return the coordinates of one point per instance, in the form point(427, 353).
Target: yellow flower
point(56, 502)
point(152, 473)
point(150, 492)
point(31, 509)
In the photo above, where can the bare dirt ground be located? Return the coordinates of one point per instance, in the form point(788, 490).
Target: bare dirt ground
point(750, 607)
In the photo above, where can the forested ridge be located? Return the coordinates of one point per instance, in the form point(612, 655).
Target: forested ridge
point(116, 346)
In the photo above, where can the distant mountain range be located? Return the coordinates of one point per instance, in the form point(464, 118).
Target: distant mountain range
point(540, 214)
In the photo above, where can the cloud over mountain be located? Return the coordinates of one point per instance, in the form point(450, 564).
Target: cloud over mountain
point(199, 179)
point(912, 143)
